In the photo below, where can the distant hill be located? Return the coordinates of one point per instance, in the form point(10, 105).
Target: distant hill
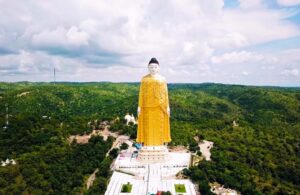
point(259, 156)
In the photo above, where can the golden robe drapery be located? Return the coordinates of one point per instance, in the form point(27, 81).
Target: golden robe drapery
point(153, 120)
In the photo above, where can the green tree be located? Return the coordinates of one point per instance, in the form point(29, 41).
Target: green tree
point(114, 153)
point(124, 146)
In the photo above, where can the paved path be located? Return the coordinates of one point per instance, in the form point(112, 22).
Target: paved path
point(91, 179)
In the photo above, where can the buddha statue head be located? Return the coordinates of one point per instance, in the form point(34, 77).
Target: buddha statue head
point(153, 67)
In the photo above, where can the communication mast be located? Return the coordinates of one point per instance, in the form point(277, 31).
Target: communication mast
point(54, 75)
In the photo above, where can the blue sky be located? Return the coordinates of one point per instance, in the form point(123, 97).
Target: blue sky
point(252, 42)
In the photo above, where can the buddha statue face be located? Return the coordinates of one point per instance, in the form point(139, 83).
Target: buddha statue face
point(153, 69)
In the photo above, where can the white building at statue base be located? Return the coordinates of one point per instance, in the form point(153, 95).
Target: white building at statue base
point(149, 173)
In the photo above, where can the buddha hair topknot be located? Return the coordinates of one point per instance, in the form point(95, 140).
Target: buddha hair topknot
point(154, 61)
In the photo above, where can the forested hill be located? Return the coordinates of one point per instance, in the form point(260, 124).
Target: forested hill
point(259, 156)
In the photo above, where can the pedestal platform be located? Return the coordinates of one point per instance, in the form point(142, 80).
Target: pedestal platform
point(152, 154)
point(149, 177)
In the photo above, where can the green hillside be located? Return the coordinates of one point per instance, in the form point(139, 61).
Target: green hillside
point(259, 156)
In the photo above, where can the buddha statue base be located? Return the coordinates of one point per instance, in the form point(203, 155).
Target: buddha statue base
point(153, 154)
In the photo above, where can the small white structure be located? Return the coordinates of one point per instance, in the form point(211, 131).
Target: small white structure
point(220, 190)
point(8, 162)
point(13, 162)
point(205, 147)
point(234, 123)
point(130, 118)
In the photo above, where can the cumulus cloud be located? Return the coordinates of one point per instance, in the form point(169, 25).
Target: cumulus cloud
point(237, 58)
point(26, 63)
point(60, 37)
point(245, 73)
point(250, 3)
point(291, 72)
point(229, 40)
point(21, 63)
point(288, 2)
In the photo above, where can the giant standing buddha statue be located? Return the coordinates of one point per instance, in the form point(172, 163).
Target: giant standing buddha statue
point(154, 168)
point(153, 115)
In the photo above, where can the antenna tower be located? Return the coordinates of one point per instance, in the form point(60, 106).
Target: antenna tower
point(54, 74)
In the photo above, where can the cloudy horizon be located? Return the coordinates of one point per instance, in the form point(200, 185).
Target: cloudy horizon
point(249, 42)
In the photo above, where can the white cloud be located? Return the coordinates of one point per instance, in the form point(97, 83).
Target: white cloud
point(245, 73)
point(287, 59)
point(229, 40)
point(290, 72)
point(60, 37)
point(27, 63)
point(259, 25)
point(288, 2)
point(198, 37)
point(250, 3)
point(237, 58)
point(77, 38)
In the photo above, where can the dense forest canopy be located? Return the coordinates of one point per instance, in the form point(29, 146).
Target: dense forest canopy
point(259, 156)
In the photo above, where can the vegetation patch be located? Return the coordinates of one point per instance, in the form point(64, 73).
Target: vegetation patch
point(259, 156)
point(126, 188)
point(180, 188)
